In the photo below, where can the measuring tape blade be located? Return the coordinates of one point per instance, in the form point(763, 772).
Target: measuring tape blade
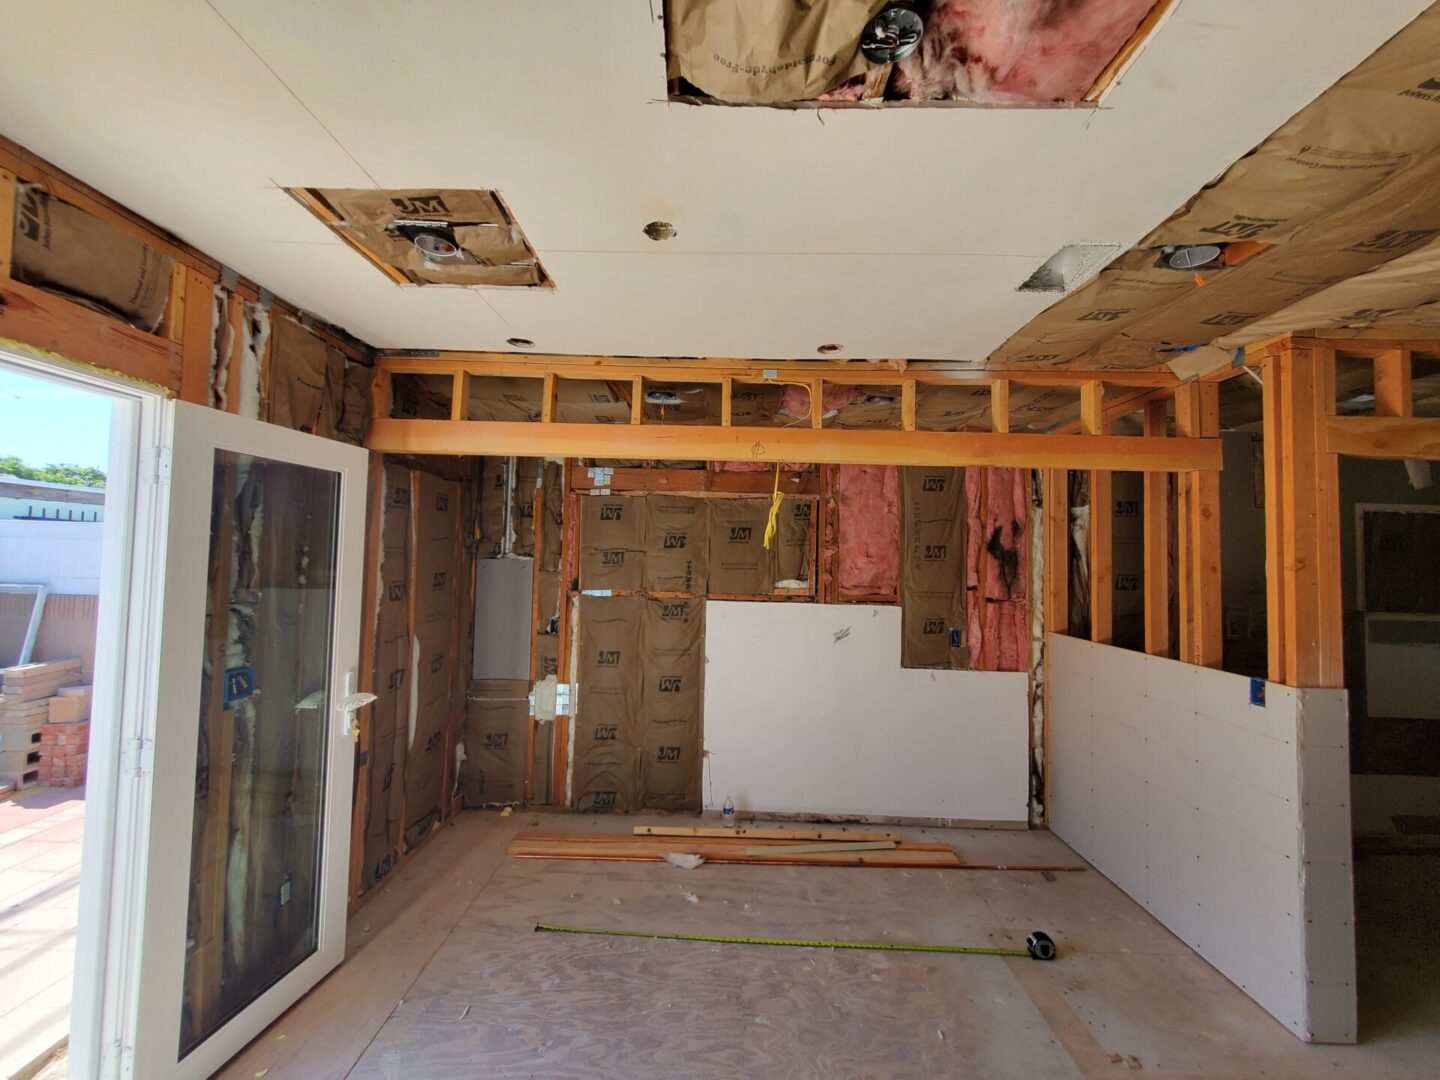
point(797, 943)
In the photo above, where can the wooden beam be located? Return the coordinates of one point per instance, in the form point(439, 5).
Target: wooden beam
point(637, 399)
point(547, 398)
point(1092, 408)
point(1393, 393)
point(835, 446)
point(1121, 60)
point(907, 405)
point(683, 369)
point(727, 393)
point(1056, 509)
point(1387, 438)
point(1157, 541)
point(41, 320)
point(817, 403)
point(1000, 406)
point(364, 717)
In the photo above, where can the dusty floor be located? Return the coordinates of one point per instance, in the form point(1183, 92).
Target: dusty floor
point(40, 836)
point(448, 980)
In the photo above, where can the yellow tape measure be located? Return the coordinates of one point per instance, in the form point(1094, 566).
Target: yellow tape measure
point(1038, 945)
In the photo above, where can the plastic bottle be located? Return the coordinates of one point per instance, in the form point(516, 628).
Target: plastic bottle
point(727, 813)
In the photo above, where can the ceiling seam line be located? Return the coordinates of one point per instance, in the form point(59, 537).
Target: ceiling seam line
point(298, 99)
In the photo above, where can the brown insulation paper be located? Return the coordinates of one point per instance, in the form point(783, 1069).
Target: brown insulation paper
point(522, 506)
point(673, 662)
point(677, 551)
point(739, 563)
point(497, 738)
point(494, 486)
point(612, 542)
point(761, 53)
point(60, 247)
point(307, 379)
point(932, 567)
point(493, 249)
point(607, 724)
point(390, 715)
point(552, 525)
point(434, 522)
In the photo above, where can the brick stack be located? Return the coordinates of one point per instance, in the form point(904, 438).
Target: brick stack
point(63, 750)
point(32, 697)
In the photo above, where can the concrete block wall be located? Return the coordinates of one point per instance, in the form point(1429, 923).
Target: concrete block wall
point(1227, 821)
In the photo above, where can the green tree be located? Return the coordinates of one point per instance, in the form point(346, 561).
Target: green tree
point(74, 475)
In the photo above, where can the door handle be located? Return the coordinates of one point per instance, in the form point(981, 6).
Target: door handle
point(349, 703)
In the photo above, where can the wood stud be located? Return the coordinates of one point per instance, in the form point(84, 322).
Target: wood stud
point(1157, 541)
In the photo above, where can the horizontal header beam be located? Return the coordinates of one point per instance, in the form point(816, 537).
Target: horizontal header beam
point(829, 446)
point(1390, 438)
point(665, 369)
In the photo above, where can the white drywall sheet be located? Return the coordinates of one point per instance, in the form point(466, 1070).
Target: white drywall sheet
point(1227, 821)
point(807, 710)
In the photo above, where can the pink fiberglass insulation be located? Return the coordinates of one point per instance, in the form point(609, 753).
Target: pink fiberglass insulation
point(796, 402)
point(869, 527)
point(997, 614)
point(1017, 51)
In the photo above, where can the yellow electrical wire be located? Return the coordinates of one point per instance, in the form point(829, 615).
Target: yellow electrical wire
point(776, 498)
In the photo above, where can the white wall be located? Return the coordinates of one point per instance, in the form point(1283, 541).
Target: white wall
point(807, 710)
point(1228, 822)
point(64, 555)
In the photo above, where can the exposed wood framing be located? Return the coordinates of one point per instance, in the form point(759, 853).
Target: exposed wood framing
point(42, 320)
point(1385, 437)
point(830, 445)
point(321, 209)
point(1116, 67)
point(1056, 600)
point(197, 334)
point(1197, 415)
point(1000, 406)
point(1157, 543)
point(1095, 424)
point(1302, 510)
point(685, 481)
point(1393, 395)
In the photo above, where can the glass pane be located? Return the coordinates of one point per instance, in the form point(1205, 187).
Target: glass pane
point(264, 717)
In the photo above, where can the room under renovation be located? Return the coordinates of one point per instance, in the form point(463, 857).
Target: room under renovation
point(712, 538)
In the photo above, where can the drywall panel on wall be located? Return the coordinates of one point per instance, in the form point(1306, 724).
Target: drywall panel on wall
point(503, 590)
point(1228, 821)
point(807, 710)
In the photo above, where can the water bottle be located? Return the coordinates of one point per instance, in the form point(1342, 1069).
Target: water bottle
point(727, 813)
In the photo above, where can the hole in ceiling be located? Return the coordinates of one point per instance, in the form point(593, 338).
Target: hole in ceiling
point(431, 236)
point(520, 342)
point(660, 230)
point(829, 349)
point(1069, 267)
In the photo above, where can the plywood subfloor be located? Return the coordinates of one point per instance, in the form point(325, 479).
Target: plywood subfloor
point(447, 979)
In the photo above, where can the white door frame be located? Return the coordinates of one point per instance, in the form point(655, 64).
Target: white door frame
point(124, 653)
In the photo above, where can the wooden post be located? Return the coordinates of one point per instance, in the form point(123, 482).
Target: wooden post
point(727, 393)
point(1102, 521)
point(197, 336)
point(637, 399)
point(1056, 508)
point(907, 405)
point(1000, 406)
point(460, 397)
point(1393, 395)
point(1197, 415)
point(817, 403)
point(1303, 518)
point(1157, 542)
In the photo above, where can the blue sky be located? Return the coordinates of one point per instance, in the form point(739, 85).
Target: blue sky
point(46, 423)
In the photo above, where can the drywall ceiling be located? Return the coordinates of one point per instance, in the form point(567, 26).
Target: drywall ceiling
point(900, 232)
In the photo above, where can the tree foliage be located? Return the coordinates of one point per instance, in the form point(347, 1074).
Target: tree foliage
point(74, 475)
